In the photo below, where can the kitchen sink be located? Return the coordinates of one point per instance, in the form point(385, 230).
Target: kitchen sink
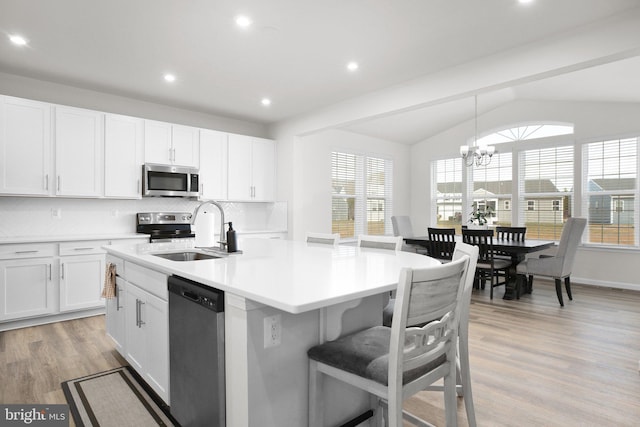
point(186, 256)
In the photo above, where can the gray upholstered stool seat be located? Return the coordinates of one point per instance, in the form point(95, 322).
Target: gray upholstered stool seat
point(366, 354)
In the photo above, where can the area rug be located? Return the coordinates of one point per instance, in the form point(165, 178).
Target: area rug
point(114, 398)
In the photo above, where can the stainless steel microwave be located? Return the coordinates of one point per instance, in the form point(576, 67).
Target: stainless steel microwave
point(171, 181)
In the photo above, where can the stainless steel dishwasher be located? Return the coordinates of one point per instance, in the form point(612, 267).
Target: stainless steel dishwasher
point(196, 353)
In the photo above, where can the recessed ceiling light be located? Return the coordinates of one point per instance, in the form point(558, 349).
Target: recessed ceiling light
point(170, 77)
point(243, 21)
point(525, 1)
point(17, 40)
point(352, 66)
point(266, 102)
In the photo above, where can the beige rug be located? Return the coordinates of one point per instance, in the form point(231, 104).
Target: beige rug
point(113, 398)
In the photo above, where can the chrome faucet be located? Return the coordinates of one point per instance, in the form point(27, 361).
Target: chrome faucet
point(222, 241)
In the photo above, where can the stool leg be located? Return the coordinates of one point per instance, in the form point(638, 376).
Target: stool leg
point(315, 396)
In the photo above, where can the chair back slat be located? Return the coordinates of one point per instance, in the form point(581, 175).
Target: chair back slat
point(441, 243)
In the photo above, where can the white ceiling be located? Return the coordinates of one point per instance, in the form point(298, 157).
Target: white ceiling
point(296, 51)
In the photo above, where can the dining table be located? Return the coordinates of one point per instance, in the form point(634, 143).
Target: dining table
point(517, 250)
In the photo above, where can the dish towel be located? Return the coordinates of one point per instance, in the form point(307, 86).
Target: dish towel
point(109, 288)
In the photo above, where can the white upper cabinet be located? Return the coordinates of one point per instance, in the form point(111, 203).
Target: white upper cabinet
point(213, 164)
point(79, 152)
point(123, 156)
point(25, 147)
point(251, 171)
point(186, 146)
point(169, 144)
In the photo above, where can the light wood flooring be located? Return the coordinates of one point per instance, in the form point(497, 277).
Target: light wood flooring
point(533, 363)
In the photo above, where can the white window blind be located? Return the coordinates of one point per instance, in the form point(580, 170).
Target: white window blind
point(610, 191)
point(362, 189)
point(546, 190)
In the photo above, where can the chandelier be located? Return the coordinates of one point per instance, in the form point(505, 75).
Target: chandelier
point(478, 154)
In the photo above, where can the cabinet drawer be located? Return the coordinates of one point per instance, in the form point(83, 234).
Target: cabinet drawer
point(27, 250)
point(147, 279)
point(83, 247)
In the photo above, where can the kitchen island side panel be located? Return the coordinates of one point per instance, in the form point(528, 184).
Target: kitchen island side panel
point(269, 386)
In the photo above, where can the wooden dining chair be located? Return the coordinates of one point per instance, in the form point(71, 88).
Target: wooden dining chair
point(463, 368)
point(516, 234)
point(441, 243)
point(488, 267)
point(395, 363)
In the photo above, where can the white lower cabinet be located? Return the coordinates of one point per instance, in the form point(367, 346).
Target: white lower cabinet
point(81, 282)
point(147, 334)
point(115, 316)
point(26, 288)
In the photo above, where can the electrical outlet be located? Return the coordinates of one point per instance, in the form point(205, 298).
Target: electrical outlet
point(56, 213)
point(272, 331)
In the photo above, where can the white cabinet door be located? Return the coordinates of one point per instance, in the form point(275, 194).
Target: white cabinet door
point(81, 280)
point(115, 316)
point(239, 173)
point(26, 288)
point(155, 318)
point(213, 165)
point(147, 337)
point(263, 168)
point(157, 142)
point(79, 152)
point(135, 351)
point(123, 152)
point(251, 168)
point(169, 144)
point(185, 146)
point(25, 147)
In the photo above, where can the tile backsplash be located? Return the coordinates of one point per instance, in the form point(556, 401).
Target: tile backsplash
point(31, 216)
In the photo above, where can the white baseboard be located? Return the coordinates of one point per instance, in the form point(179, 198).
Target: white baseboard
point(43, 320)
point(605, 284)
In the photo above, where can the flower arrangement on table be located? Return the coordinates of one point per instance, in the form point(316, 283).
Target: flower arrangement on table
point(480, 217)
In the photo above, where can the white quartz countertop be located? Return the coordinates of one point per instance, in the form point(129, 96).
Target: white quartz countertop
point(289, 275)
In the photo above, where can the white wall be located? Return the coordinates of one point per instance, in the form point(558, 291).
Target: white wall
point(311, 182)
point(593, 121)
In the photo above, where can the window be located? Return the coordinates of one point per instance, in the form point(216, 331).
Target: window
point(524, 132)
point(448, 193)
point(492, 189)
point(546, 183)
point(361, 194)
point(610, 191)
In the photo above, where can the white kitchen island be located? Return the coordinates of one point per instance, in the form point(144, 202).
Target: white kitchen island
point(317, 292)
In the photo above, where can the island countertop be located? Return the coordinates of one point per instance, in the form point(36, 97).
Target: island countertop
point(292, 276)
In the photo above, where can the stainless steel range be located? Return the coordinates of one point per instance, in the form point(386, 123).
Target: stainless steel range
point(165, 226)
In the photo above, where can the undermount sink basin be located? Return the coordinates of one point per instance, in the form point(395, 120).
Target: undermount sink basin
point(186, 256)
